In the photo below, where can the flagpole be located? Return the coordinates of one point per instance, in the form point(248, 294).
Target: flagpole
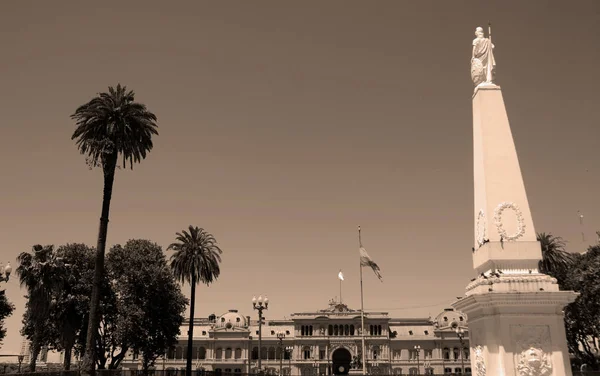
point(340, 289)
point(362, 311)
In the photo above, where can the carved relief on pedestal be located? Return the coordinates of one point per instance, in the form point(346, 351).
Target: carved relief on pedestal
point(520, 231)
point(479, 361)
point(481, 225)
point(532, 344)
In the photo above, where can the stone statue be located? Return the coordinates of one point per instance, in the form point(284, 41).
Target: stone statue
point(483, 64)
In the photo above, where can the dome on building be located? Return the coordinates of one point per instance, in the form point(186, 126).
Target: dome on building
point(450, 318)
point(231, 319)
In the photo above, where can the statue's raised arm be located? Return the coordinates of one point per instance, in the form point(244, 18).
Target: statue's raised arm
point(483, 64)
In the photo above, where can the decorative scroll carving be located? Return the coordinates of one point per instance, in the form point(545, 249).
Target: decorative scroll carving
point(479, 361)
point(531, 352)
point(498, 221)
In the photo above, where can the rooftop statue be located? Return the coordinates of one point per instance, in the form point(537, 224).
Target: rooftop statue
point(483, 64)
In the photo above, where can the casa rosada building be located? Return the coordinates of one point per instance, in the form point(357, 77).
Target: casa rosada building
point(324, 342)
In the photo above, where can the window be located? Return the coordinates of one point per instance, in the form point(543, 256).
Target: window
point(228, 353)
point(204, 332)
point(429, 371)
point(427, 332)
point(410, 332)
point(271, 353)
point(445, 318)
point(272, 332)
point(375, 352)
point(461, 318)
point(330, 330)
point(238, 353)
point(219, 353)
point(447, 370)
point(456, 353)
point(466, 354)
point(413, 371)
point(237, 319)
point(287, 332)
point(321, 354)
point(255, 353)
point(222, 319)
point(467, 369)
point(428, 354)
point(447, 355)
point(351, 330)
point(458, 370)
point(307, 352)
point(263, 353)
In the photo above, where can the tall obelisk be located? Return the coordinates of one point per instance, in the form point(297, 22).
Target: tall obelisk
point(516, 324)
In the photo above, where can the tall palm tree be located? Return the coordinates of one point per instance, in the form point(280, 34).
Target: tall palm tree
point(556, 261)
point(42, 272)
point(196, 259)
point(110, 126)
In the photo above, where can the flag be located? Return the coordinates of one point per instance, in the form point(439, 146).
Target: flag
point(365, 260)
point(341, 275)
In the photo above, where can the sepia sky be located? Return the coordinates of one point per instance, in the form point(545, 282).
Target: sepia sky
point(284, 125)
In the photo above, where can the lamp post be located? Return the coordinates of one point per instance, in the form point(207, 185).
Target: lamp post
point(21, 357)
point(417, 350)
point(260, 304)
point(7, 270)
point(461, 334)
point(280, 337)
point(289, 350)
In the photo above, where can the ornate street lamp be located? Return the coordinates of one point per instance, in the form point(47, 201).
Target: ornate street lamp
point(417, 350)
point(289, 350)
point(461, 334)
point(280, 337)
point(260, 304)
point(7, 270)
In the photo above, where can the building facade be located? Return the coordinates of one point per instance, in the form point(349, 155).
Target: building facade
point(324, 342)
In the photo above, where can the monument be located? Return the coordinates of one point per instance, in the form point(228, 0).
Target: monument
point(515, 313)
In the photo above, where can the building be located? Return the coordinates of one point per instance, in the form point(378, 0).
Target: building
point(324, 342)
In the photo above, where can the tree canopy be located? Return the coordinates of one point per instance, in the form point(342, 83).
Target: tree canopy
point(6, 309)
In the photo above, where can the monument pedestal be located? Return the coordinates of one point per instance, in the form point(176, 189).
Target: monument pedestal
point(517, 332)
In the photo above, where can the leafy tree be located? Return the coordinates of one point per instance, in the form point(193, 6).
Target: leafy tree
point(6, 309)
point(72, 301)
point(42, 272)
point(196, 259)
point(145, 309)
point(581, 316)
point(110, 126)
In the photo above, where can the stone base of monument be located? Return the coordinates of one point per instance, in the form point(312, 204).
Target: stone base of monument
point(517, 333)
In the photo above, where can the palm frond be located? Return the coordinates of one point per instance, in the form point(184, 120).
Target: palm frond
point(197, 256)
point(114, 123)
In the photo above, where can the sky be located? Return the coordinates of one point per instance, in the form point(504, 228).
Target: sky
point(284, 125)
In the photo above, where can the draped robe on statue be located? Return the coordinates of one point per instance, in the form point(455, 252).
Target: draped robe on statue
point(482, 55)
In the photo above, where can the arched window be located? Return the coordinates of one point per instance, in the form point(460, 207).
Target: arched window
point(456, 353)
point(335, 330)
point(302, 330)
point(201, 353)
point(278, 353)
point(467, 369)
point(263, 353)
point(330, 330)
point(378, 330)
point(447, 370)
point(370, 329)
point(219, 353)
point(271, 353)
point(255, 353)
point(178, 353)
point(447, 355)
point(351, 330)
point(238, 353)
point(306, 352)
point(375, 352)
point(466, 353)
point(413, 371)
point(346, 330)
point(310, 330)
point(228, 353)
point(458, 370)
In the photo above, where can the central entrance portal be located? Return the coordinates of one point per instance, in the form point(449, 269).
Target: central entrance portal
point(340, 360)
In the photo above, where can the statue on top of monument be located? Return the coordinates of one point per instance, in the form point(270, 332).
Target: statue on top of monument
point(483, 64)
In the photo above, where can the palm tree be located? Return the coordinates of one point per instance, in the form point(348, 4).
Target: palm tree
point(42, 272)
point(110, 126)
point(196, 259)
point(555, 259)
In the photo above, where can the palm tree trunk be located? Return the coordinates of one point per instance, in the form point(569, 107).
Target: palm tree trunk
point(94, 317)
point(188, 368)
